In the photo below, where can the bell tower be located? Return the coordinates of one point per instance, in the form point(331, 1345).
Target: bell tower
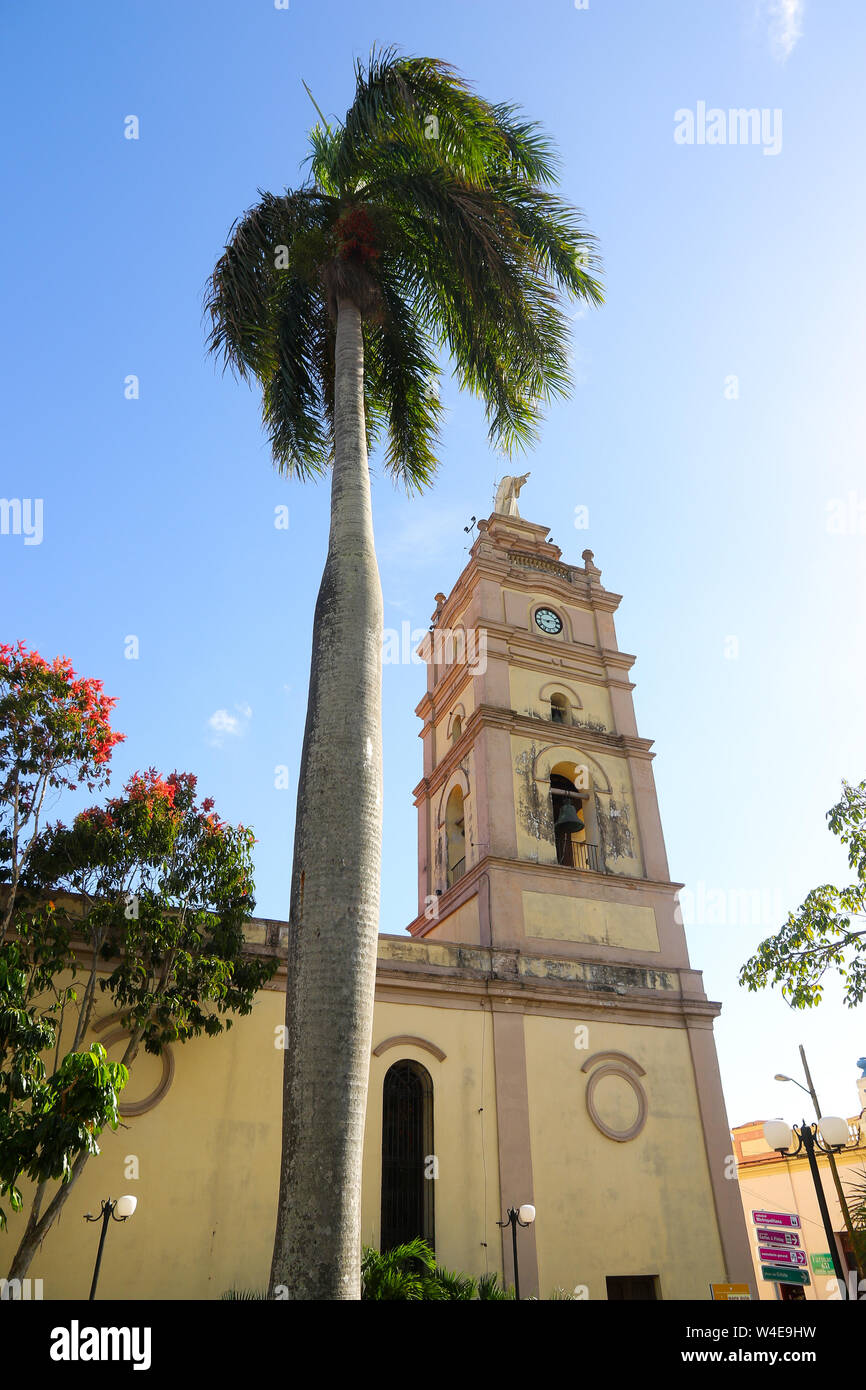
point(541, 857)
point(538, 818)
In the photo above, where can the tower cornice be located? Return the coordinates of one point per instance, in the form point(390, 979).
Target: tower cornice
point(580, 659)
point(492, 716)
point(513, 550)
point(467, 886)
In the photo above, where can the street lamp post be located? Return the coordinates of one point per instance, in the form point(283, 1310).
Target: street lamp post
point(831, 1158)
point(121, 1209)
point(834, 1134)
point(524, 1216)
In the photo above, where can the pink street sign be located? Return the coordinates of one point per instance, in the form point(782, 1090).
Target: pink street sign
point(777, 1237)
point(776, 1218)
point(771, 1255)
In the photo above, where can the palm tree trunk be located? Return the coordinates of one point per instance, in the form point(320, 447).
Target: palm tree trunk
point(334, 917)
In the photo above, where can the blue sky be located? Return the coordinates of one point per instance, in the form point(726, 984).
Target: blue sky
point(730, 515)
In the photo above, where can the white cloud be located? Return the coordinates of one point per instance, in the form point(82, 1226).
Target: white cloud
point(223, 725)
point(785, 21)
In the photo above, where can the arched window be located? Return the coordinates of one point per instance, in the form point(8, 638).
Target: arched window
point(570, 810)
point(407, 1145)
point(560, 712)
point(455, 835)
point(456, 728)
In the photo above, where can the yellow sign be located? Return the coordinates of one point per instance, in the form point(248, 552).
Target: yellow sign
point(730, 1293)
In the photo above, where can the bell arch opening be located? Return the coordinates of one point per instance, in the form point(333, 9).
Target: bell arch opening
point(575, 825)
point(560, 709)
point(455, 836)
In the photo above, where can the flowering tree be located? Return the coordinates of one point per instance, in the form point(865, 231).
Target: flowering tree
point(54, 734)
point(157, 890)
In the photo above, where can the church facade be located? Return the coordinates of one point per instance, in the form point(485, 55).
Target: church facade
point(540, 1036)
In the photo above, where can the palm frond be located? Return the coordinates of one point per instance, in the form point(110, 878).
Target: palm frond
point(455, 1287)
point(246, 276)
point(400, 1273)
point(490, 1289)
point(326, 145)
point(399, 95)
point(467, 252)
point(296, 397)
point(402, 378)
point(530, 153)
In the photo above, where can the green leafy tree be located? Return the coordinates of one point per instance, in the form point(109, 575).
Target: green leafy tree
point(155, 890)
point(428, 227)
point(55, 734)
point(47, 1119)
point(828, 930)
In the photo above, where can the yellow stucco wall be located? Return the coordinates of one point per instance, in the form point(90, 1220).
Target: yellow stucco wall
point(596, 1198)
point(466, 1194)
point(526, 698)
point(208, 1161)
point(207, 1158)
point(563, 917)
point(462, 925)
point(208, 1165)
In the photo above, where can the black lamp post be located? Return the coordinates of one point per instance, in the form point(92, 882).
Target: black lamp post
point(846, 1214)
point(121, 1209)
point(524, 1216)
point(834, 1134)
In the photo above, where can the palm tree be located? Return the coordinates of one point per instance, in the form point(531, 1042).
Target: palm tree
point(426, 224)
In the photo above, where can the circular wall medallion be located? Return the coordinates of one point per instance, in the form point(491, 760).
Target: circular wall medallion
point(623, 1068)
point(128, 1109)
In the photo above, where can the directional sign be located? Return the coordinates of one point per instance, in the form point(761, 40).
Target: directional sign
point(776, 1218)
point(785, 1276)
point(768, 1237)
point(781, 1257)
point(730, 1293)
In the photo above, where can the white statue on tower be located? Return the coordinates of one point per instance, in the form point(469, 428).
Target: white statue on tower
point(507, 494)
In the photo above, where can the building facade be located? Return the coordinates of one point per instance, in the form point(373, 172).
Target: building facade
point(771, 1182)
point(540, 1035)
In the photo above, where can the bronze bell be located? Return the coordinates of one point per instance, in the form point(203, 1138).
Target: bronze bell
point(569, 820)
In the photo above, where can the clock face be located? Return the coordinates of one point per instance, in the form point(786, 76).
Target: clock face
point(547, 620)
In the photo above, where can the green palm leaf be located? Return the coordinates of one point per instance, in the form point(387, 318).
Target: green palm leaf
point(471, 256)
